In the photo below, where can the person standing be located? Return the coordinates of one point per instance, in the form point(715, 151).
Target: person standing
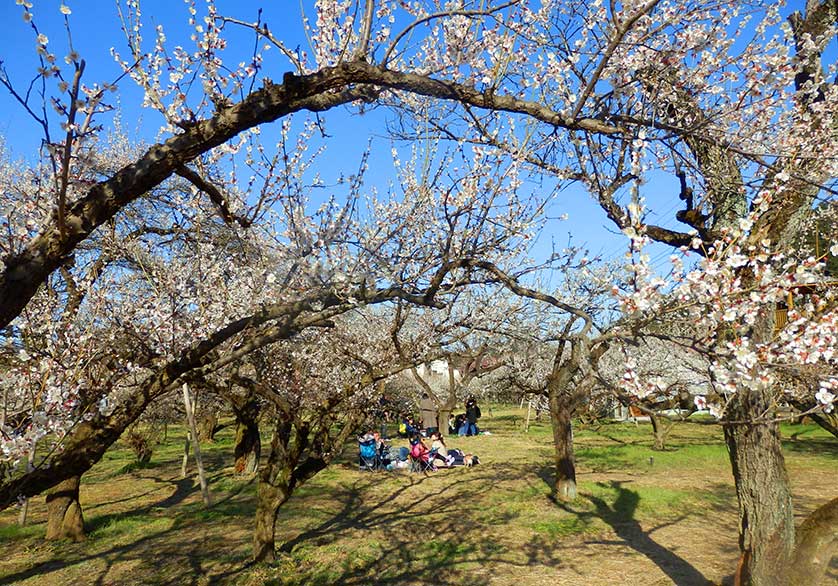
point(469, 426)
point(427, 413)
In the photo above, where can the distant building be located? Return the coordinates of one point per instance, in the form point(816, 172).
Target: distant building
point(436, 369)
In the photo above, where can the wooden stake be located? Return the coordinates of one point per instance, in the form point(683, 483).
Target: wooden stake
point(196, 445)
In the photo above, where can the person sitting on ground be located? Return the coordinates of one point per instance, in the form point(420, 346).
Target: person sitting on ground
point(455, 423)
point(408, 427)
point(412, 426)
point(439, 449)
point(381, 448)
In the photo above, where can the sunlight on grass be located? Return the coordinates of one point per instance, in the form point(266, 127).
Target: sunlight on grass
point(13, 531)
point(135, 526)
point(564, 527)
point(351, 527)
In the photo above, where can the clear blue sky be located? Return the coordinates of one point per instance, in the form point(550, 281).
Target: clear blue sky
point(95, 28)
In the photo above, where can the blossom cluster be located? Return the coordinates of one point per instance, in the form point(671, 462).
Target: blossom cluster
point(731, 299)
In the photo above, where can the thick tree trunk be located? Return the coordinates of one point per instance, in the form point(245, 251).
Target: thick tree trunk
point(270, 497)
point(817, 546)
point(275, 487)
point(248, 447)
point(766, 522)
point(207, 428)
point(443, 416)
point(659, 431)
point(445, 411)
point(285, 469)
point(560, 418)
point(64, 514)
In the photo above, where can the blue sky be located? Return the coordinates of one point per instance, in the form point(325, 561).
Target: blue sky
point(95, 29)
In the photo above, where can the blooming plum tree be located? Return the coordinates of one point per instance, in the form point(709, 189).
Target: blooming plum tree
point(727, 100)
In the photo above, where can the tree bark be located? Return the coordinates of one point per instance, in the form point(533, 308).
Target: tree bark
point(443, 416)
point(659, 429)
point(766, 522)
point(660, 441)
point(208, 427)
point(271, 495)
point(64, 513)
point(817, 546)
point(248, 446)
point(184, 464)
point(560, 418)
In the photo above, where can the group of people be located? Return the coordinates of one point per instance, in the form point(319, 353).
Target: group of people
point(374, 451)
point(438, 455)
point(462, 424)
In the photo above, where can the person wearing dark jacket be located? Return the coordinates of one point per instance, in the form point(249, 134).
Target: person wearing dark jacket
point(469, 426)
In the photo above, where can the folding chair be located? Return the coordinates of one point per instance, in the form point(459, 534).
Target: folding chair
point(368, 455)
point(424, 463)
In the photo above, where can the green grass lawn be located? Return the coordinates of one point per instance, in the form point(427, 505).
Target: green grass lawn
point(658, 517)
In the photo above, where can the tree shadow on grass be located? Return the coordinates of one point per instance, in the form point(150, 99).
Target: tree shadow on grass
point(822, 447)
point(183, 488)
point(437, 535)
point(620, 517)
point(77, 554)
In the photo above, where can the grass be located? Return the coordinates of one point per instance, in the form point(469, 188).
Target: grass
point(653, 517)
point(13, 532)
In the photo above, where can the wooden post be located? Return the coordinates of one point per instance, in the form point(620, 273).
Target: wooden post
point(527, 424)
point(196, 445)
point(184, 466)
point(24, 509)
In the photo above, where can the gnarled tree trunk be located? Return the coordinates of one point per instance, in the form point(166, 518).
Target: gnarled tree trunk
point(444, 413)
point(766, 522)
point(561, 409)
point(248, 446)
point(817, 546)
point(276, 483)
point(64, 514)
point(299, 450)
point(271, 495)
point(207, 427)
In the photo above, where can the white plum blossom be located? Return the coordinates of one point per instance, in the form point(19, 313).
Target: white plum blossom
point(825, 397)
